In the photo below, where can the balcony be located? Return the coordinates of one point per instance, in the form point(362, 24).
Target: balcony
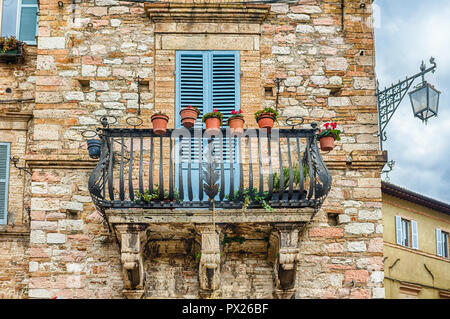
point(192, 169)
point(191, 185)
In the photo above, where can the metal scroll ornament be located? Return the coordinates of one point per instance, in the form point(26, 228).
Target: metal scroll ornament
point(210, 175)
point(98, 175)
point(323, 177)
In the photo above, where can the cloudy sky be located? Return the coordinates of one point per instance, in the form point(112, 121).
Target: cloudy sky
point(407, 32)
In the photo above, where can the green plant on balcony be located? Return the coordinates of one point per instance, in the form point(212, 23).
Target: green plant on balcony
point(147, 197)
point(251, 196)
point(295, 175)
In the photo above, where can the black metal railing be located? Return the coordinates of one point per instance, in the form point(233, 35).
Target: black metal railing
point(187, 168)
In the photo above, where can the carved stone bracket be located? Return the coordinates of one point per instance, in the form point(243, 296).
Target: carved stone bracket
point(209, 268)
point(132, 239)
point(288, 255)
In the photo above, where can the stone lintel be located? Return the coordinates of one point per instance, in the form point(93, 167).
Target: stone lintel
point(208, 41)
point(207, 12)
point(15, 120)
point(356, 160)
point(60, 161)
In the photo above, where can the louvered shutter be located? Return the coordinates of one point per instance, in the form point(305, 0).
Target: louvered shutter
point(414, 235)
point(28, 22)
point(439, 242)
point(4, 181)
point(225, 91)
point(191, 89)
point(398, 228)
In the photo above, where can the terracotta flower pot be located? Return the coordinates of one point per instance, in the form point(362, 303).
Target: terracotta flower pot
point(188, 116)
point(212, 125)
point(236, 125)
point(266, 120)
point(327, 143)
point(159, 122)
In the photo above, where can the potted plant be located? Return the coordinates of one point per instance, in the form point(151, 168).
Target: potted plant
point(9, 45)
point(213, 120)
point(266, 117)
point(236, 122)
point(94, 146)
point(188, 116)
point(328, 136)
point(159, 121)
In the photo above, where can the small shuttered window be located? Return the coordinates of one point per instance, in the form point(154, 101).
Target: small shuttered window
point(442, 247)
point(19, 19)
point(406, 232)
point(4, 181)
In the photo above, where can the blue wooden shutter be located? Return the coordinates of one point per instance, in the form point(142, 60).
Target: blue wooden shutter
point(9, 18)
point(225, 89)
point(225, 82)
point(4, 181)
point(191, 89)
point(27, 28)
point(398, 228)
point(439, 249)
point(414, 235)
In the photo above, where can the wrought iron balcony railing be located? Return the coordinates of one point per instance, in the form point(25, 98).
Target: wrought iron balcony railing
point(188, 168)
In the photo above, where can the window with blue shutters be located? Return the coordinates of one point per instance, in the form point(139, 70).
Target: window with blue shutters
point(406, 232)
point(19, 19)
point(207, 80)
point(442, 243)
point(4, 181)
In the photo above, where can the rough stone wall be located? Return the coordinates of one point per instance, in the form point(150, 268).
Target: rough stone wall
point(17, 87)
point(14, 266)
point(87, 61)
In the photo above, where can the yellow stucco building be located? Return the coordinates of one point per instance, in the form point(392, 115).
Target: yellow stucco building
point(416, 249)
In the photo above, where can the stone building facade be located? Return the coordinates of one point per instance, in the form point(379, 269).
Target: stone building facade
point(88, 55)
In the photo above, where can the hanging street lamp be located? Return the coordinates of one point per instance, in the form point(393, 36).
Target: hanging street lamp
point(424, 99)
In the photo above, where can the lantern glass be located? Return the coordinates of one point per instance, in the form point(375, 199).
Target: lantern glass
point(433, 99)
point(419, 99)
point(425, 101)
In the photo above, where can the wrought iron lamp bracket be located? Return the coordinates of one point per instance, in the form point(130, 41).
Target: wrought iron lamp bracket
point(15, 161)
point(390, 98)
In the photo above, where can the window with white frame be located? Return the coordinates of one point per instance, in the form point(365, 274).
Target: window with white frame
point(442, 243)
point(406, 232)
point(20, 19)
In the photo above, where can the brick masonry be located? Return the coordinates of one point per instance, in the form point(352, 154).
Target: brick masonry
point(84, 67)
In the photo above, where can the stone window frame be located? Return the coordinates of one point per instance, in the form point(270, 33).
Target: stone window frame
point(409, 290)
point(173, 36)
point(14, 126)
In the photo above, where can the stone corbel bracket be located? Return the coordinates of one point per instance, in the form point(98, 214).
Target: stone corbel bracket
point(132, 238)
point(285, 267)
point(209, 267)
